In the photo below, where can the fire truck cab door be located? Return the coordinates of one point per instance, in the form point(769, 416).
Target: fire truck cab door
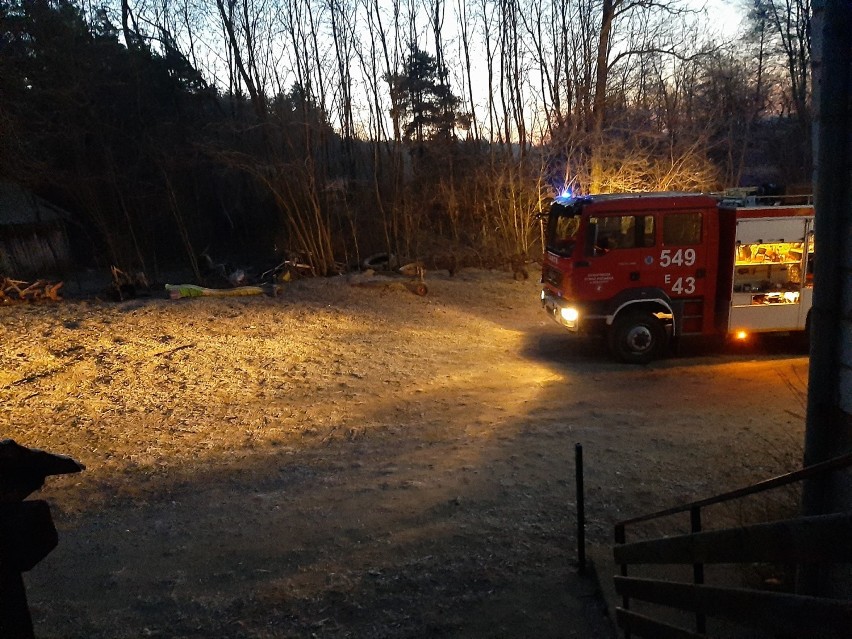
point(620, 247)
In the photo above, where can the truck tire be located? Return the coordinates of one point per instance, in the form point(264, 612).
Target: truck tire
point(637, 338)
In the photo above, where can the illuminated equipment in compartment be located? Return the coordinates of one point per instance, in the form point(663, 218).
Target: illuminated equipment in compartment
point(771, 290)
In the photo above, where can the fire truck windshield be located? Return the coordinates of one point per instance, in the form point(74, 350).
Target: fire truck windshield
point(563, 229)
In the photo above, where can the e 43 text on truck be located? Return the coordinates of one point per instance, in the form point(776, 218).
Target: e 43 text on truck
point(646, 269)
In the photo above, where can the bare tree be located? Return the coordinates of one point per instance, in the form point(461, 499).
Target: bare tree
point(785, 26)
point(464, 19)
point(238, 22)
point(790, 21)
point(645, 21)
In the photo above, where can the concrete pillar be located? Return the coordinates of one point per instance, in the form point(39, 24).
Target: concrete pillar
point(829, 415)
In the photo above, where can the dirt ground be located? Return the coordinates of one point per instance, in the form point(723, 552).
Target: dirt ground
point(358, 461)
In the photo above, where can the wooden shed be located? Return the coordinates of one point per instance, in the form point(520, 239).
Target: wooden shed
point(33, 235)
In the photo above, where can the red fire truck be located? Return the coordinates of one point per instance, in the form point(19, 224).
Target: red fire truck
point(646, 269)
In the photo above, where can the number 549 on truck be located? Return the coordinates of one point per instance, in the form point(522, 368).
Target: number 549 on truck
point(644, 270)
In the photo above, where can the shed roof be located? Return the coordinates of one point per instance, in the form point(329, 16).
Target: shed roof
point(18, 206)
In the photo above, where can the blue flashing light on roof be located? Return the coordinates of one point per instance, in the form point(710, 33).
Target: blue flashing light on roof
point(565, 195)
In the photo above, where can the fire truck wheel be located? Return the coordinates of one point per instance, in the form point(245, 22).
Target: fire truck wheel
point(637, 338)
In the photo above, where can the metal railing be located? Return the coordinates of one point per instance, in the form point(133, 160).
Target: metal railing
point(742, 198)
point(825, 539)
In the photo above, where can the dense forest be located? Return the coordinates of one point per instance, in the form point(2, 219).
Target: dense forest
point(429, 129)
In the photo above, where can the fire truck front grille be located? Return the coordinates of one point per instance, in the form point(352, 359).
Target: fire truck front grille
point(552, 276)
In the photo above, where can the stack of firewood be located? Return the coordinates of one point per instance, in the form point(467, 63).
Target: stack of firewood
point(21, 291)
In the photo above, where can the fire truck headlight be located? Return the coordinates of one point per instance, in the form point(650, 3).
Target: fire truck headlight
point(570, 314)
